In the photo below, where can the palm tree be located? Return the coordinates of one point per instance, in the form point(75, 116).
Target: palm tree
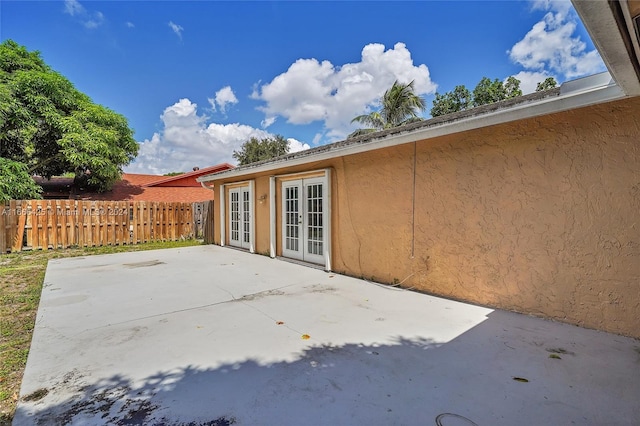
point(400, 105)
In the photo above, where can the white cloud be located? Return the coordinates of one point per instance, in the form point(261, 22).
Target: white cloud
point(90, 20)
point(551, 46)
point(268, 121)
point(95, 21)
point(312, 90)
point(177, 29)
point(297, 146)
point(73, 7)
point(130, 24)
point(187, 140)
point(224, 97)
point(560, 6)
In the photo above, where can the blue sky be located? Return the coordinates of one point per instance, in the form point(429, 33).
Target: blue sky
point(197, 78)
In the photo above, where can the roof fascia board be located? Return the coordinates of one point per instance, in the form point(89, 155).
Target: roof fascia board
point(611, 38)
point(527, 110)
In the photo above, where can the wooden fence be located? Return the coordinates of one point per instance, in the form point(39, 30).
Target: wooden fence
point(54, 224)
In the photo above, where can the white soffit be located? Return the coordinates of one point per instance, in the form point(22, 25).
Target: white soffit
point(611, 29)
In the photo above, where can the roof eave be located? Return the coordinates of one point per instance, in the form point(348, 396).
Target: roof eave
point(611, 29)
point(563, 102)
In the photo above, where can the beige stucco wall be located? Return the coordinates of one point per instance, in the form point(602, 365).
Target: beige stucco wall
point(540, 216)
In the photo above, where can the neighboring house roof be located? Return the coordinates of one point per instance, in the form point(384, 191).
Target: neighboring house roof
point(56, 187)
point(141, 187)
point(140, 179)
point(131, 188)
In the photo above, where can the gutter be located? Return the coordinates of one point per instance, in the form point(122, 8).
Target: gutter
point(574, 94)
point(203, 184)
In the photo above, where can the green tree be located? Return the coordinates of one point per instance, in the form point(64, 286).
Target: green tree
point(488, 92)
point(261, 149)
point(512, 88)
point(52, 128)
point(457, 100)
point(16, 183)
point(548, 83)
point(399, 105)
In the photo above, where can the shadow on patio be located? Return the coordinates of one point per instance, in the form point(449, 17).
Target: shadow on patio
point(509, 369)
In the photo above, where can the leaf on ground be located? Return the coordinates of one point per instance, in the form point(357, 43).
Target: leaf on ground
point(306, 337)
point(279, 322)
point(521, 379)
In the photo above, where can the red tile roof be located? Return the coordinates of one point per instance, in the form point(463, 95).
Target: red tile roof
point(124, 191)
point(142, 187)
point(139, 179)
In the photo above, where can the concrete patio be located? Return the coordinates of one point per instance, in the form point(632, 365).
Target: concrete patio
point(214, 336)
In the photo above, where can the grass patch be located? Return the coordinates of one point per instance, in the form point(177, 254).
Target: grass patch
point(21, 278)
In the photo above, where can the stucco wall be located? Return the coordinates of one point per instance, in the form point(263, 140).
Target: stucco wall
point(540, 216)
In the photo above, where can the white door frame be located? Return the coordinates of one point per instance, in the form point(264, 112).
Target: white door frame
point(303, 218)
point(292, 218)
point(244, 235)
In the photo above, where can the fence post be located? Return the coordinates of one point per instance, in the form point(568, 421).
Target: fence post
point(20, 221)
point(3, 229)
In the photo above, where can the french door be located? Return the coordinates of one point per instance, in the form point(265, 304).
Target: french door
point(304, 205)
point(240, 217)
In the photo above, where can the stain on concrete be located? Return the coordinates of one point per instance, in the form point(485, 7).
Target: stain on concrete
point(560, 351)
point(122, 336)
point(319, 288)
point(143, 264)
point(36, 395)
point(259, 295)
